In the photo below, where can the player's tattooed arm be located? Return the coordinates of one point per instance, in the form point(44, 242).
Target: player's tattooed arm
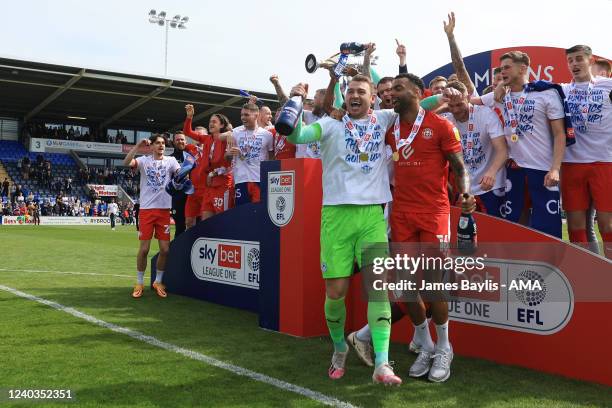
point(280, 93)
point(462, 178)
point(456, 57)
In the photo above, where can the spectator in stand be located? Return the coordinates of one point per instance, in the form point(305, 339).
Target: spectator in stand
point(69, 185)
point(16, 192)
point(5, 187)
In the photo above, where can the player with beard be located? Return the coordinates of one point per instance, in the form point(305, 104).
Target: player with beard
point(587, 165)
point(313, 150)
point(425, 144)
point(179, 198)
point(484, 149)
point(355, 184)
point(535, 133)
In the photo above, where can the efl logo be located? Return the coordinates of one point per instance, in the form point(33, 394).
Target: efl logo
point(286, 180)
point(230, 256)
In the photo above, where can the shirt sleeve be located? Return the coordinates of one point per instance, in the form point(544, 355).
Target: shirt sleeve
point(450, 138)
point(385, 117)
point(488, 99)
point(327, 124)
point(139, 163)
point(554, 107)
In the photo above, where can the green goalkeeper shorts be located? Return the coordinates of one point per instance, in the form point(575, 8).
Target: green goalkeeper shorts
point(345, 231)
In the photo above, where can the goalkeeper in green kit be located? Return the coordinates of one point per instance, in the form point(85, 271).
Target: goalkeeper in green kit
point(355, 185)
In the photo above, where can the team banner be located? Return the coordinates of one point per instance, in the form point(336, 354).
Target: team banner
point(105, 190)
point(27, 220)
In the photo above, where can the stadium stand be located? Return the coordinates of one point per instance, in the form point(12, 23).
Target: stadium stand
point(63, 167)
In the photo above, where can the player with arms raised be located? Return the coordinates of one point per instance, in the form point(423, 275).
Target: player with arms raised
point(156, 171)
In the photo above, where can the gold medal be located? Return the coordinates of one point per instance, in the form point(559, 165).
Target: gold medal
point(363, 157)
point(514, 138)
point(395, 156)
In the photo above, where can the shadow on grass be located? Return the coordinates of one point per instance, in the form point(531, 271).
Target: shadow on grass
point(233, 336)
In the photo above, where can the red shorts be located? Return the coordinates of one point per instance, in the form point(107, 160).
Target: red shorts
point(194, 204)
point(419, 227)
point(154, 220)
point(583, 183)
point(217, 199)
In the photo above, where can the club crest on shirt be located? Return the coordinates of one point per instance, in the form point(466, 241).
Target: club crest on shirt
point(427, 133)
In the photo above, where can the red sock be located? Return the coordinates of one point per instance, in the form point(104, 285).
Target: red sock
point(607, 244)
point(578, 236)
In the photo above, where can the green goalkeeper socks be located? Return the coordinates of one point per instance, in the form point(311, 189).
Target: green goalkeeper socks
point(335, 315)
point(379, 320)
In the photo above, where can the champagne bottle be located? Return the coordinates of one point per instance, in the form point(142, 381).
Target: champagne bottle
point(287, 120)
point(351, 48)
point(467, 241)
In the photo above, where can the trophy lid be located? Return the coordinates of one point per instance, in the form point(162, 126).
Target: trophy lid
point(311, 63)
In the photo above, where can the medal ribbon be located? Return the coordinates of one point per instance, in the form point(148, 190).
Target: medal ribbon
point(511, 115)
point(470, 137)
point(399, 143)
point(361, 142)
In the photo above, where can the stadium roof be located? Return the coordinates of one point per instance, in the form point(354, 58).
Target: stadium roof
point(35, 91)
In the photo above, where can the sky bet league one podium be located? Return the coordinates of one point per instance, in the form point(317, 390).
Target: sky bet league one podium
point(264, 258)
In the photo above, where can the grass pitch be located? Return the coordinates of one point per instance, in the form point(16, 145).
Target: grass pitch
point(43, 348)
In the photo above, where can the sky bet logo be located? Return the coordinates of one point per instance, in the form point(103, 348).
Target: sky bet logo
point(229, 256)
point(285, 180)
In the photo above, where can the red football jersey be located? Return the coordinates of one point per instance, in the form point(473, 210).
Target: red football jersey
point(421, 173)
point(283, 149)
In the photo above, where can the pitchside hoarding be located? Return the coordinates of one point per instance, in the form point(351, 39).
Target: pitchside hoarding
point(48, 220)
point(529, 327)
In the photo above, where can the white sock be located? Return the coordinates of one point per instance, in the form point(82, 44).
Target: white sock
point(140, 278)
point(442, 333)
point(423, 337)
point(159, 274)
point(415, 340)
point(364, 334)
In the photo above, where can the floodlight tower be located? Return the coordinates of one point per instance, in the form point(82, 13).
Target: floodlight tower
point(175, 22)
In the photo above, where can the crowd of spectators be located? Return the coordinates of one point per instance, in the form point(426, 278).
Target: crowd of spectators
point(67, 132)
point(39, 171)
point(111, 175)
point(62, 206)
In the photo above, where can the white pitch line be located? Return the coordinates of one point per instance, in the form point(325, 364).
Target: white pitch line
point(66, 273)
point(285, 386)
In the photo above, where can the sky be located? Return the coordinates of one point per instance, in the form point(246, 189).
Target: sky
point(240, 44)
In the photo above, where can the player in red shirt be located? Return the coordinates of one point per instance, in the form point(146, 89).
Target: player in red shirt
point(195, 202)
point(215, 170)
point(424, 144)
